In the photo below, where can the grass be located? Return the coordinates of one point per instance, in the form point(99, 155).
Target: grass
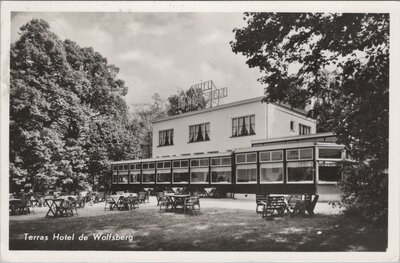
point(212, 230)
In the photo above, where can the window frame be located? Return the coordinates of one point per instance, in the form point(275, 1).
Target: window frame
point(251, 124)
point(236, 173)
point(162, 134)
point(304, 129)
point(183, 170)
point(300, 182)
point(273, 182)
point(270, 156)
point(318, 164)
point(298, 154)
point(246, 161)
point(217, 167)
point(205, 127)
point(202, 169)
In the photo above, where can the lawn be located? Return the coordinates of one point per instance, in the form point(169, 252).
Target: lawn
point(215, 229)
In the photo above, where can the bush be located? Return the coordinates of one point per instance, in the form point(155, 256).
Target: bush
point(365, 191)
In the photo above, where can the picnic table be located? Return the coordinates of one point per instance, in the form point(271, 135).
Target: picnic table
point(61, 206)
point(298, 204)
point(125, 201)
point(176, 200)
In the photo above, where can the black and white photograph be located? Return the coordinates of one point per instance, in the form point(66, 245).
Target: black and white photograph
point(157, 130)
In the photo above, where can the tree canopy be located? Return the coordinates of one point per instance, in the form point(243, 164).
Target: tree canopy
point(185, 101)
point(67, 111)
point(338, 62)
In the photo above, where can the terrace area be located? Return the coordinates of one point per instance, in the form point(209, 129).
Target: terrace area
point(222, 225)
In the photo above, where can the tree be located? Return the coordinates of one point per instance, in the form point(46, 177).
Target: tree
point(143, 116)
point(186, 101)
point(295, 51)
point(68, 115)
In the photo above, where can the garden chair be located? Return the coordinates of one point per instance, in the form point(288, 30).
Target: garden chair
point(142, 197)
point(260, 200)
point(158, 196)
point(296, 205)
point(165, 203)
point(274, 204)
point(132, 202)
point(122, 204)
point(109, 203)
point(192, 204)
point(310, 204)
point(71, 206)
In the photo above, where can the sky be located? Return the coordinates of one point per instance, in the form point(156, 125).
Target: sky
point(159, 52)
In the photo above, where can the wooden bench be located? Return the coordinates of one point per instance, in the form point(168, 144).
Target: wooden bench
point(274, 204)
point(260, 200)
point(299, 205)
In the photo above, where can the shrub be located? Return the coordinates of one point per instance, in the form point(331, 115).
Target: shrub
point(365, 191)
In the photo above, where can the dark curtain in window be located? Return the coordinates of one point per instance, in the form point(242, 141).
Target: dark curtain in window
point(199, 133)
point(245, 130)
point(166, 138)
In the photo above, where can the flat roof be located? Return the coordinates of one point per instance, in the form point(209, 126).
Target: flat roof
point(235, 103)
point(288, 146)
point(295, 137)
point(161, 159)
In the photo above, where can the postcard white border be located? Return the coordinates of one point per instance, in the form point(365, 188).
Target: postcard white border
point(392, 253)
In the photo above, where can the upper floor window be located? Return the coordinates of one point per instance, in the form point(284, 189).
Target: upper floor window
point(292, 125)
point(303, 129)
point(166, 137)
point(243, 126)
point(199, 132)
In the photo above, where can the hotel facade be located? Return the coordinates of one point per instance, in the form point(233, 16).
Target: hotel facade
point(244, 147)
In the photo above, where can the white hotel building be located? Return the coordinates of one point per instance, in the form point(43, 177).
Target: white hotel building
point(227, 127)
point(242, 147)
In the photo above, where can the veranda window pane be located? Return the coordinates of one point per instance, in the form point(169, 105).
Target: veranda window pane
point(240, 158)
point(199, 175)
point(330, 153)
point(185, 163)
point(277, 156)
point(265, 156)
point(300, 171)
point(204, 162)
point(329, 172)
point(226, 161)
point(123, 177)
point(246, 173)
point(180, 175)
point(148, 176)
point(306, 153)
point(221, 175)
point(135, 177)
point(292, 154)
point(271, 172)
point(251, 157)
point(194, 163)
point(164, 176)
point(215, 161)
